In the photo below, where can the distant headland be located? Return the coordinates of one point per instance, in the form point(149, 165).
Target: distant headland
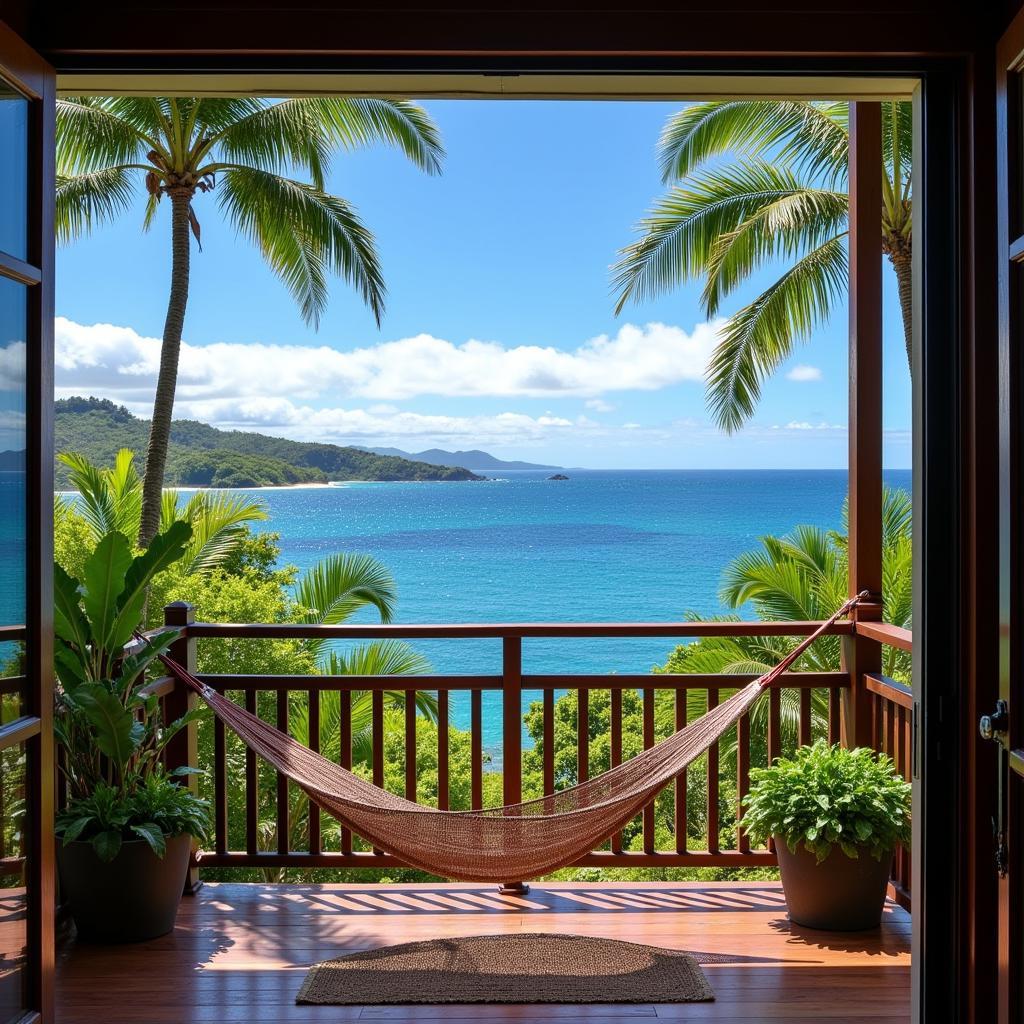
point(203, 456)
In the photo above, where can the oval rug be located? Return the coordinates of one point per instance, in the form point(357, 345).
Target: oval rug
point(514, 968)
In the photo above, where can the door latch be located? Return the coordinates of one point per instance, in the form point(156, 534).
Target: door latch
point(994, 726)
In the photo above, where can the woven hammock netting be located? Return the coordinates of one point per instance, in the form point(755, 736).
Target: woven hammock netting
point(518, 841)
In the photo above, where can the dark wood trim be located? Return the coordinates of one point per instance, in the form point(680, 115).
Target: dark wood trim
point(1009, 917)
point(938, 546)
point(886, 633)
point(892, 691)
point(500, 630)
point(860, 653)
point(658, 681)
point(19, 270)
point(598, 858)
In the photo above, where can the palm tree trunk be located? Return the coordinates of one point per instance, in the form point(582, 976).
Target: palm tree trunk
point(902, 264)
point(163, 404)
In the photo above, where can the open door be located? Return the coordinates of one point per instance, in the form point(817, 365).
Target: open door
point(1004, 726)
point(26, 532)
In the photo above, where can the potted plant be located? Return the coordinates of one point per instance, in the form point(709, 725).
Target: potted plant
point(836, 816)
point(127, 828)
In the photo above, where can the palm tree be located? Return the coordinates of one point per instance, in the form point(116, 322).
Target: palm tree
point(783, 200)
point(803, 576)
point(242, 149)
point(111, 499)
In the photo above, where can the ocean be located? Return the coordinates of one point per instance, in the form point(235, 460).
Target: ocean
point(602, 546)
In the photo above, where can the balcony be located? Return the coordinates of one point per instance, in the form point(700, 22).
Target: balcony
point(242, 944)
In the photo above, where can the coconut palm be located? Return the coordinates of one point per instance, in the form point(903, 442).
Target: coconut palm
point(781, 202)
point(110, 500)
point(803, 576)
point(241, 150)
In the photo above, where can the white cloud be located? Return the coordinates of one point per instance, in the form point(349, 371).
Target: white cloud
point(804, 373)
point(123, 364)
point(805, 425)
point(599, 405)
point(12, 366)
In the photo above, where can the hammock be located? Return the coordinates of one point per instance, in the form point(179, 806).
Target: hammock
point(518, 841)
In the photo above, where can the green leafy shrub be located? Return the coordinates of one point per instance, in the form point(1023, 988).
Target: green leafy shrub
point(110, 728)
point(156, 809)
point(826, 796)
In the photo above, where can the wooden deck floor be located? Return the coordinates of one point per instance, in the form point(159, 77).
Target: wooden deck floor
point(239, 953)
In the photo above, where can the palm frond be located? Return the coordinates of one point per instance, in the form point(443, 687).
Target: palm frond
point(102, 501)
point(219, 520)
point(333, 589)
point(86, 200)
point(812, 136)
point(303, 232)
point(92, 138)
point(794, 219)
point(760, 337)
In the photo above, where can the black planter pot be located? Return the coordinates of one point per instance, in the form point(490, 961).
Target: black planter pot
point(841, 894)
point(133, 897)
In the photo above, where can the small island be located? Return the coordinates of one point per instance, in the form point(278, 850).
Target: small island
point(558, 476)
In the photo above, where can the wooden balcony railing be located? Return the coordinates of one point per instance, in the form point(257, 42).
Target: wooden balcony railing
point(240, 843)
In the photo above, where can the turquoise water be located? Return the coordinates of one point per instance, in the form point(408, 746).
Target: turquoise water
point(601, 546)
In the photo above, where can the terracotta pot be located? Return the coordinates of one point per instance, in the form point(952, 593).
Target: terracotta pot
point(841, 894)
point(133, 897)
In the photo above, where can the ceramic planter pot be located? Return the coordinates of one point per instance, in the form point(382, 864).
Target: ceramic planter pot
point(133, 897)
point(841, 894)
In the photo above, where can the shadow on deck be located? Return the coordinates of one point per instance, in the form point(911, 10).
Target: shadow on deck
point(239, 952)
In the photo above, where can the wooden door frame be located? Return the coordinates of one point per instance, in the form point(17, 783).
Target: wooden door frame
point(35, 79)
point(1009, 66)
point(954, 375)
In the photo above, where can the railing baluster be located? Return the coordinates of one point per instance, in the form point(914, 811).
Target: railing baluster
point(512, 720)
point(549, 742)
point(476, 769)
point(313, 697)
point(442, 749)
point(805, 718)
point(251, 786)
point(713, 781)
point(680, 783)
point(582, 735)
point(377, 728)
point(345, 751)
point(410, 745)
point(648, 819)
point(220, 788)
point(283, 843)
point(834, 714)
point(615, 746)
point(774, 723)
point(742, 777)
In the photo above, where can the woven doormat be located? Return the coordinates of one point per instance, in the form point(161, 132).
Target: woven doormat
point(516, 968)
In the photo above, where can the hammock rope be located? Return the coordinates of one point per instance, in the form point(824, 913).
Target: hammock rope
point(522, 841)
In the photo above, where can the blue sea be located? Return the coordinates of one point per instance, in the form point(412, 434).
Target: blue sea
point(602, 546)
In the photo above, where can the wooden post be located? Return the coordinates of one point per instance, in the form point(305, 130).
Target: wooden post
point(861, 655)
point(183, 748)
point(512, 737)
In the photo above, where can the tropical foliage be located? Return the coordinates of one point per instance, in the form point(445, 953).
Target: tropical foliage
point(110, 729)
point(113, 149)
point(756, 185)
point(826, 797)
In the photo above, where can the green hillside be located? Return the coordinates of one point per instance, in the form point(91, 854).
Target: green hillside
point(203, 456)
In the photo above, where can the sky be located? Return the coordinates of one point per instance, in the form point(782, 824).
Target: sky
point(499, 331)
